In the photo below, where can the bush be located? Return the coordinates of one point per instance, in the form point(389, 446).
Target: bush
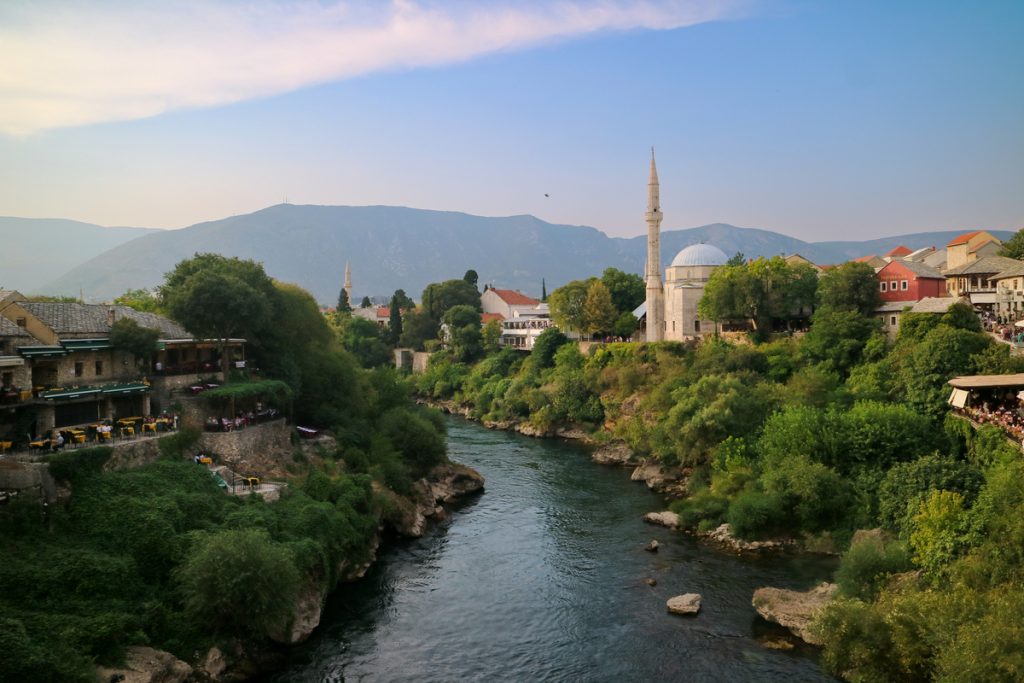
point(754, 514)
point(71, 466)
point(866, 565)
point(239, 581)
point(703, 508)
point(906, 484)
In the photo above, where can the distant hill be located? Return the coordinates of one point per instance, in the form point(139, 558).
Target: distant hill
point(35, 250)
point(391, 247)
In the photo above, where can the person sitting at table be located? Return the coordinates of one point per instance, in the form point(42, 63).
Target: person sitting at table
point(57, 441)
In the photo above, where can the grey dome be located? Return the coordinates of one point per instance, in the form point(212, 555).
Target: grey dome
point(700, 255)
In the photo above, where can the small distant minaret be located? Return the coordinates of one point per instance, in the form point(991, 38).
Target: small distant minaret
point(655, 292)
point(348, 285)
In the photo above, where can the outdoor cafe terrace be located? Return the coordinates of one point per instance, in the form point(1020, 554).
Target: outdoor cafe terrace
point(991, 399)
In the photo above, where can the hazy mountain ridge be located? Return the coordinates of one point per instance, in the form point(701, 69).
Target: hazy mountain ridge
point(35, 250)
point(391, 247)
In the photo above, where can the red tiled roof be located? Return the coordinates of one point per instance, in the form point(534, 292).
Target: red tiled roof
point(899, 251)
point(514, 298)
point(963, 239)
point(864, 259)
point(383, 312)
point(488, 317)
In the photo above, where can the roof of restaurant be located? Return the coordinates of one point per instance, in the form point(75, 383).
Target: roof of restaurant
point(514, 298)
point(75, 319)
point(919, 269)
point(988, 381)
point(938, 304)
point(1015, 270)
point(986, 264)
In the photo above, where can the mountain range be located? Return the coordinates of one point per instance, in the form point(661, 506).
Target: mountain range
point(36, 250)
point(396, 247)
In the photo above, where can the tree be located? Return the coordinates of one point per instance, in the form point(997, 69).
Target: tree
point(464, 334)
point(344, 306)
point(365, 303)
point(599, 312)
point(417, 328)
point(363, 339)
point(403, 300)
point(728, 294)
point(1014, 247)
point(837, 337)
point(239, 581)
point(737, 259)
point(219, 298)
point(141, 300)
point(128, 335)
point(492, 336)
point(627, 289)
point(471, 277)
point(567, 303)
point(543, 290)
point(850, 286)
point(625, 325)
point(545, 346)
point(438, 297)
point(395, 318)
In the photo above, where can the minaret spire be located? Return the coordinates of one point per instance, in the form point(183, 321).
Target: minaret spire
point(655, 291)
point(348, 284)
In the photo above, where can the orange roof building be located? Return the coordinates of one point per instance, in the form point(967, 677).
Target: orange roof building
point(970, 246)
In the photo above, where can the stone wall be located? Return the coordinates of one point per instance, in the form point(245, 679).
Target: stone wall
point(118, 366)
point(262, 450)
point(166, 389)
point(419, 362)
point(27, 478)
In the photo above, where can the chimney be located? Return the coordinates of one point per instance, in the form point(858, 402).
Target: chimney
point(110, 316)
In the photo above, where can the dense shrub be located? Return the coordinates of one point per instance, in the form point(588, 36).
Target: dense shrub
point(867, 564)
point(754, 514)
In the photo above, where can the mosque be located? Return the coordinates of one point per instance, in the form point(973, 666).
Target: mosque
point(671, 307)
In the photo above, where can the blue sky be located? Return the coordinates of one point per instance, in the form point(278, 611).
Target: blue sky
point(822, 120)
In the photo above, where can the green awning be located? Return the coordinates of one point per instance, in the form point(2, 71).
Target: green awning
point(86, 344)
point(135, 388)
point(42, 351)
point(68, 394)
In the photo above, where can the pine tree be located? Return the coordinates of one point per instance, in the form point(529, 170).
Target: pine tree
point(366, 302)
point(343, 303)
point(543, 290)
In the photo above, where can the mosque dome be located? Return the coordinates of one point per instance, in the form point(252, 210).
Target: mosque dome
point(700, 255)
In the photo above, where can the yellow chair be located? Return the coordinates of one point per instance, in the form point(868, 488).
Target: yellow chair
point(5, 446)
point(149, 427)
point(127, 431)
point(103, 436)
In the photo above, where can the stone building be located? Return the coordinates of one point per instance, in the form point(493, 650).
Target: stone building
point(58, 367)
point(969, 247)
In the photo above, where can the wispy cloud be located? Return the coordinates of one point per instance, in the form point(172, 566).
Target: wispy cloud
point(87, 62)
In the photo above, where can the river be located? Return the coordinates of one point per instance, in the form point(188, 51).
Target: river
point(541, 577)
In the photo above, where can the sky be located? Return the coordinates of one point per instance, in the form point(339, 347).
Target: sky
point(822, 120)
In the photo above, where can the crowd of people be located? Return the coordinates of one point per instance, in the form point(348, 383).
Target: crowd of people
point(1002, 411)
point(241, 420)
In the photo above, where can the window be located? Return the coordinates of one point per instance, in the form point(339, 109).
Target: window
point(696, 326)
point(8, 379)
point(882, 286)
point(903, 285)
point(892, 321)
point(21, 322)
point(99, 368)
point(79, 369)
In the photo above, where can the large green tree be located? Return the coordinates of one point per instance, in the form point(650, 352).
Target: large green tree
point(465, 337)
point(599, 313)
point(128, 335)
point(850, 286)
point(438, 297)
point(568, 303)
point(1014, 247)
point(219, 298)
point(627, 289)
point(763, 291)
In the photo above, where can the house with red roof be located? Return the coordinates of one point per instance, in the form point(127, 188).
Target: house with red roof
point(523, 318)
point(506, 302)
point(897, 253)
point(872, 260)
point(909, 281)
point(970, 246)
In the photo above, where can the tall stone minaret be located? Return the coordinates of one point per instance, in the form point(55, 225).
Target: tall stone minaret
point(348, 285)
point(655, 291)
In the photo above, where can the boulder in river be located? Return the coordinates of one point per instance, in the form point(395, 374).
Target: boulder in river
point(616, 453)
point(723, 534)
point(652, 547)
point(650, 582)
point(666, 518)
point(794, 609)
point(688, 603)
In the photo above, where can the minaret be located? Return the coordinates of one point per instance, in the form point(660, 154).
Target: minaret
point(655, 291)
point(348, 285)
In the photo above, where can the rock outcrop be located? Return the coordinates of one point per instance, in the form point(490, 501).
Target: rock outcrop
point(688, 603)
point(723, 535)
point(652, 547)
point(616, 453)
point(661, 479)
point(445, 484)
point(794, 609)
point(306, 618)
point(666, 518)
point(146, 665)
